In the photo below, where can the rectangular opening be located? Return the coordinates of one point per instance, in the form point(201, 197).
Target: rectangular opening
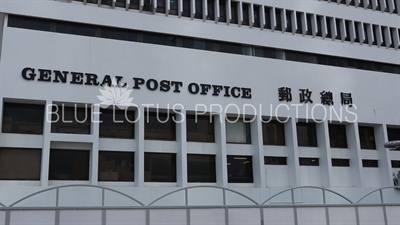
point(273, 133)
point(306, 134)
point(159, 167)
point(257, 18)
point(337, 136)
point(309, 24)
point(20, 164)
point(199, 9)
point(160, 6)
point(240, 169)
point(320, 20)
point(186, 8)
point(200, 128)
point(173, 7)
point(268, 23)
point(245, 8)
point(237, 131)
point(210, 10)
point(278, 19)
point(23, 118)
point(309, 161)
point(370, 163)
point(222, 11)
point(367, 137)
point(71, 119)
point(159, 126)
point(271, 160)
point(328, 27)
point(117, 124)
point(347, 28)
point(341, 162)
point(299, 22)
point(234, 12)
point(69, 164)
point(116, 166)
point(201, 168)
point(393, 134)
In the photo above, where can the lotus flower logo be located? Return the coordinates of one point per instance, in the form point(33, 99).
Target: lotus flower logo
point(115, 95)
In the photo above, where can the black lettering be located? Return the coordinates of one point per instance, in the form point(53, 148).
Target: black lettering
point(28, 73)
point(204, 88)
point(165, 85)
point(137, 82)
point(119, 79)
point(246, 92)
point(60, 76)
point(91, 79)
point(44, 75)
point(177, 85)
point(106, 81)
point(77, 78)
point(216, 89)
point(148, 84)
point(235, 92)
point(227, 91)
point(196, 87)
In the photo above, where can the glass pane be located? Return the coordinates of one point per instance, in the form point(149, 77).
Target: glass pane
point(71, 120)
point(337, 136)
point(159, 167)
point(69, 164)
point(306, 134)
point(201, 168)
point(116, 166)
point(159, 126)
point(117, 123)
point(20, 164)
point(237, 131)
point(23, 118)
point(273, 133)
point(240, 169)
point(367, 137)
point(200, 128)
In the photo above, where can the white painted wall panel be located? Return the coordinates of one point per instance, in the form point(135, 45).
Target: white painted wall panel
point(125, 217)
point(2, 217)
point(278, 216)
point(342, 177)
point(167, 216)
point(75, 217)
point(393, 215)
point(207, 216)
point(239, 216)
point(341, 216)
point(371, 215)
point(45, 217)
point(311, 216)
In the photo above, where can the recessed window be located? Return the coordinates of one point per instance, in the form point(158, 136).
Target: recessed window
point(337, 136)
point(116, 166)
point(306, 134)
point(200, 128)
point(309, 161)
point(201, 168)
point(72, 120)
point(69, 164)
point(234, 12)
point(270, 160)
point(237, 131)
point(240, 169)
point(159, 167)
point(198, 9)
point(20, 164)
point(256, 13)
point(369, 163)
point(245, 12)
point(159, 126)
point(173, 7)
point(186, 8)
point(395, 164)
point(367, 137)
point(393, 134)
point(341, 162)
point(23, 118)
point(210, 10)
point(117, 124)
point(273, 133)
point(222, 11)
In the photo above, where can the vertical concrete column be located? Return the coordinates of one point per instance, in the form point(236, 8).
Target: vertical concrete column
point(385, 164)
point(355, 154)
point(258, 155)
point(325, 153)
point(95, 130)
point(181, 157)
point(220, 159)
point(44, 174)
point(293, 154)
point(139, 152)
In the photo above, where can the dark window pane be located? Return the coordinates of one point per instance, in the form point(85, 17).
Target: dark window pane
point(341, 162)
point(201, 168)
point(306, 134)
point(234, 12)
point(199, 9)
point(23, 118)
point(256, 12)
point(159, 167)
point(173, 7)
point(309, 161)
point(116, 166)
point(309, 26)
point(367, 137)
point(267, 12)
point(200, 128)
point(395, 164)
point(72, 120)
point(237, 131)
point(278, 19)
point(245, 12)
point(269, 160)
point(75, 28)
point(370, 163)
point(210, 10)
point(222, 11)
point(240, 169)
point(69, 164)
point(31, 23)
point(393, 134)
point(337, 136)
point(134, 4)
point(120, 3)
point(186, 8)
point(160, 6)
point(117, 123)
point(273, 133)
point(20, 164)
point(320, 20)
point(159, 126)
point(288, 20)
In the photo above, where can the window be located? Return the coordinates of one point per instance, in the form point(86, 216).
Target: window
point(159, 167)
point(369, 163)
point(267, 12)
point(159, 126)
point(200, 128)
point(393, 134)
point(20, 164)
point(299, 22)
point(289, 21)
point(256, 13)
point(201, 168)
point(309, 18)
point(69, 164)
point(245, 8)
point(306, 134)
point(23, 118)
point(222, 11)
point(278, 19)
point(116, 166)
point(234, 12)
point(269, 160)
point(309, 161)
point(134, 4)
point(71, 119)
point(273, 133)
point(120, 3)
point(198, 9)
point(160, 6)
point(237, 131)
point(367, 137)
point(320, 20)
point(341, 162)
point(117, 124)
point(210, 10)
point(240, 169)
point(329, 27)
point(395, 164)
point(338, 29)
point(173, 7)
point(186, 8)
point(337, 136)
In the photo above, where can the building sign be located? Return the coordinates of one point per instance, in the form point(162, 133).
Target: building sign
point(90, 79)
